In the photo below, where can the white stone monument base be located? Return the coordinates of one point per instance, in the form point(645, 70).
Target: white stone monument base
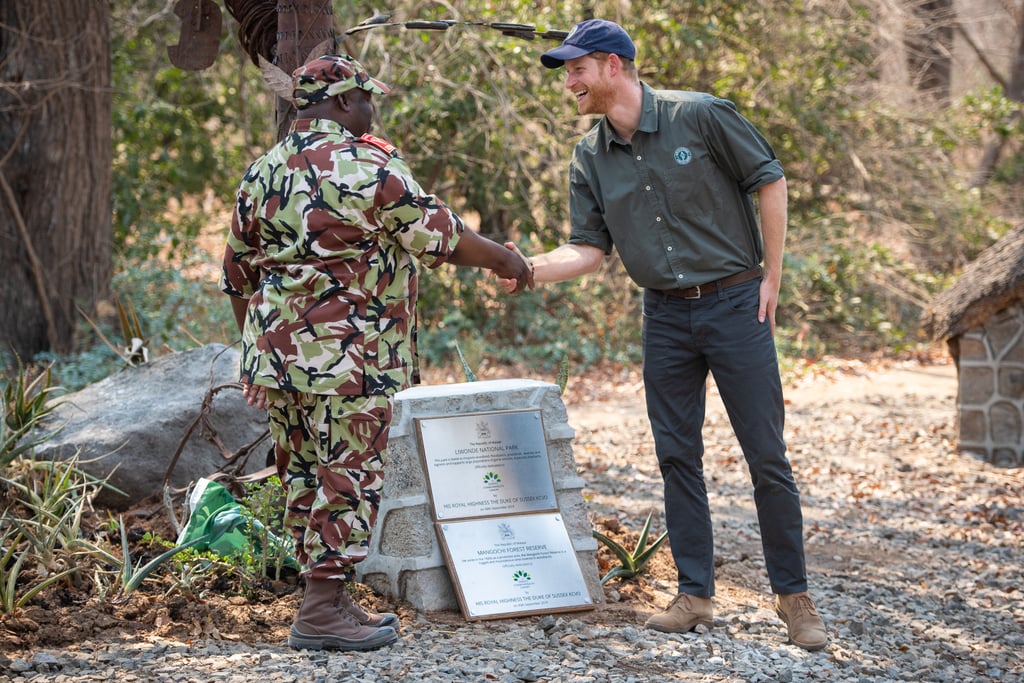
point(405, 559)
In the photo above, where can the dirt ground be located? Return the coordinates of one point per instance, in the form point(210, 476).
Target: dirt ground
point(605, 409)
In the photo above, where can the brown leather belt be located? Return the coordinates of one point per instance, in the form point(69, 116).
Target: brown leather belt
point(708, 287)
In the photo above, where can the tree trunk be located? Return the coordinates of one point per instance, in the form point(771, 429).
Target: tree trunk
point(55, 169)
point(300, 28)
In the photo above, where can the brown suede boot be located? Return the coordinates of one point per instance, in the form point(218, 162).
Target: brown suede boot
point(682, 615)
point(806, 629)
point(364, 616)
point(323, 624)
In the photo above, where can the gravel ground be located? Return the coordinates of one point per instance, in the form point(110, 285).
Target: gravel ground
point(914, 553)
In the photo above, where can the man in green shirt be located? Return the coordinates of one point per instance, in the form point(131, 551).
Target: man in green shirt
point(666, 177)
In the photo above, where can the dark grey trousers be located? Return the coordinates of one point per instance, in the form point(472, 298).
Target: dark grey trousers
point(684, 339)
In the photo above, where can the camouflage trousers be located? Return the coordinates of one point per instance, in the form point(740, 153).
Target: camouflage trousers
point(330, 452)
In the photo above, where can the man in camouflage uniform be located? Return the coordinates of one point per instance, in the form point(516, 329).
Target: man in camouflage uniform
point(320, 266)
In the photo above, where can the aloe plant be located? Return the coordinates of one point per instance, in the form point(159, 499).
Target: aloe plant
point(632, 562)
point(563, 375)
point(26, 403)
point(470, 375)
point(12, 561)
point(131, 575)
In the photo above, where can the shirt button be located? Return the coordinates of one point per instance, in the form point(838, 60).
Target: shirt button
point(670, 248)
point(658, 219)
point(680, 277)
point(648, 188)
point(639, 158)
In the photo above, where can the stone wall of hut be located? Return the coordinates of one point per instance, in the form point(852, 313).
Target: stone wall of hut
point(991, 395)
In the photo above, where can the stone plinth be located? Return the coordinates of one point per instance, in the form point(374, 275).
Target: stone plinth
point(405, 558)
point(991, 400)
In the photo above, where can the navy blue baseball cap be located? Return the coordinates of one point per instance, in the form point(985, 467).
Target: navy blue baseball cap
point(592, 35)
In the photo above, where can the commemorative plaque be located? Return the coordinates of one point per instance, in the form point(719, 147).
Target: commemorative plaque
point(522, 564)
point(482, 464)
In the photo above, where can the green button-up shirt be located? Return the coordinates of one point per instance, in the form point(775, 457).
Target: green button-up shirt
point(676, 200)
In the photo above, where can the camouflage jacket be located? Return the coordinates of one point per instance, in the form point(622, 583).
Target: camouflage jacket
point(323, 236)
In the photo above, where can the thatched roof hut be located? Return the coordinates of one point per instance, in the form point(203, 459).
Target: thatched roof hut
point(989, 284)
point(981, 317)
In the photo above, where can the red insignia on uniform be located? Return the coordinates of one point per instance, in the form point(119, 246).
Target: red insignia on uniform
point(380, 144)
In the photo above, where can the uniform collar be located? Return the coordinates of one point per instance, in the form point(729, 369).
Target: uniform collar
point(314, 125)
point(648, 119)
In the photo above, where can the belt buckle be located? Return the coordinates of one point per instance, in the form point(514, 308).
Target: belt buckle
point(697, 287)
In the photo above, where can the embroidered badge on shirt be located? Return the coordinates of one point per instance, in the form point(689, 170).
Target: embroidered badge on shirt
point(682, 155)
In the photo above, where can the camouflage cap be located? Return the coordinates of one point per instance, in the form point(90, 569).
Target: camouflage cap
point(331, 75)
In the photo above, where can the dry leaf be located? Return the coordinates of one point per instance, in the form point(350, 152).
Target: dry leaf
point(277, 79)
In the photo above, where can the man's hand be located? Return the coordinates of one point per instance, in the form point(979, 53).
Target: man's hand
point(254, 395)
point(504, 261)
point(768, 301)
point(519, 273)
point(510, 284)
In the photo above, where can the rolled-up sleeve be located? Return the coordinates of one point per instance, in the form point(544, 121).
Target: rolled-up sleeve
point(738, 147)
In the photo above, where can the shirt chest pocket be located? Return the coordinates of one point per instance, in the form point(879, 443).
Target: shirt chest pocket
point(690, 185)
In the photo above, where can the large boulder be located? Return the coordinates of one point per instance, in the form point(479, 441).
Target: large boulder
point(127, 428)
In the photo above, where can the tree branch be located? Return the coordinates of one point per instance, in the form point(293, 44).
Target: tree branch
point(989, 66)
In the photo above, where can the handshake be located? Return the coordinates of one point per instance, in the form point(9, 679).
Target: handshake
point(512, 285)
point(566, 262)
